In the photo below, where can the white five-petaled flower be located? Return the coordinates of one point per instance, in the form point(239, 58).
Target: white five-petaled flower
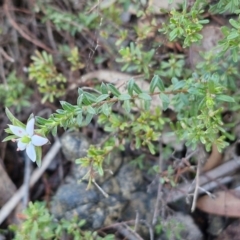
point(27, 139)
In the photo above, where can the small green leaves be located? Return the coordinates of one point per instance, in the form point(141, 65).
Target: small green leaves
point(102, 98)
point(135, 58)
point(127, 106)
point(14, 120)
point(234, 23)
point(43, 121)
point(113, 90)
point(222, 6)
point(88, 119)
point(67, 106)
point(165, 100)
point(124, 96)
point(156, 83)
point(54, 131)
point(130, 86)
point(225, 98)
point(44, 72)
point(104, 89)
point(94, 160)
point(136, 88)
point(184, 25)
point(39, 223)
point(89, 97)
point(79, 119)
point(38, 156)
point(105, 109)
point(10, 137)
point(145, 96)
point(231, 41)
point(91, 110)
point(79, 100)
point(177, 84)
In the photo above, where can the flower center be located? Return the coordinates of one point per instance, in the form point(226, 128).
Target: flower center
point(26, 139)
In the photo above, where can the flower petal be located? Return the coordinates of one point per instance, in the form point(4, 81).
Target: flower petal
point(38, 140)
point(18, 131)
point(21, 146)
point(31, 152)
point(30, 127)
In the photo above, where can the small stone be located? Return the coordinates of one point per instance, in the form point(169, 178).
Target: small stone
point(130, 179)
point(74, 145)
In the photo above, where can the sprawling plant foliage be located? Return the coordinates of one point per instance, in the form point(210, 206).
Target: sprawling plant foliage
point(198, 97)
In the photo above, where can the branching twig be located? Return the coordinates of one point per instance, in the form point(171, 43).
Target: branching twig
point(50, 35)
point(207, 180)
point(100, 189)
point(128, 232)
point(130, 222)
point(6, 56)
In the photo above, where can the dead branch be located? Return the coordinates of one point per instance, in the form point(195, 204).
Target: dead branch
point(209, 177)
point(26, 35)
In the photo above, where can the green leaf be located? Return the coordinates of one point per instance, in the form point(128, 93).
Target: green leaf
point(151, 148)
point(136, 88)
point(88, 119)
point(113, 90)
point(60, 111)
point(79, 119)
point(174, 80)
point(103, 88)
point(54, 131)
point(41, 120)
point(67, 106)
point(102, 97)
point(165, 100)
point(10, 137)
point(173, 34)
point(145, 96)
point(79, 100)
point(232, 35)
point(234, 23)
point(105, 109)
point(39, 156)
point(100, 171)
point(80, 91)
point(225, 98)
point(124, 97)
point(127, 106)
point(147, 105)
point(130, 86)
point(91, 110)
point(178, 85)
point(156, 82)
point(90, 97)
point(138, 142)
point(14, 120)
point(235, 55)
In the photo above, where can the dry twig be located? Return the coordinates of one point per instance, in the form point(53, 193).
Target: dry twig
point(26, 35)
point(207, 180)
